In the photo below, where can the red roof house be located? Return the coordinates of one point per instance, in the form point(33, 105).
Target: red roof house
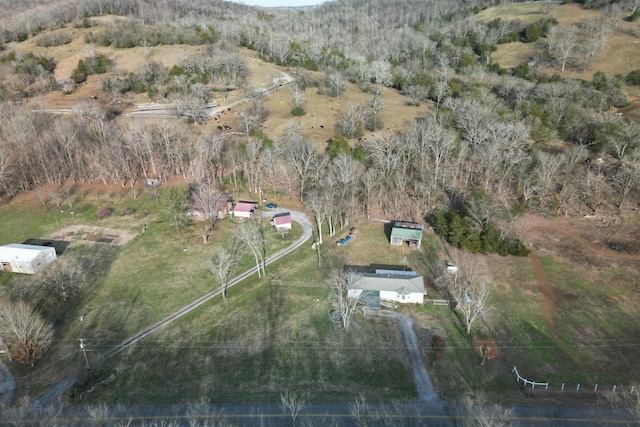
point(243, 209)
point(282, 221)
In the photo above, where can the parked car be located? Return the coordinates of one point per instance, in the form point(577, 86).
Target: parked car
point(271, 206)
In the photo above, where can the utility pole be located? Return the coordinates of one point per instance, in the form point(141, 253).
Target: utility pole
point(84, 352)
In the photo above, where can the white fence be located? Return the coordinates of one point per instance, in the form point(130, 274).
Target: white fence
point(564, 387)
point(527, 382)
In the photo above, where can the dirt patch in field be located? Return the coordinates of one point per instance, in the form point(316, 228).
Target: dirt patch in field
point(87, 233)
point(595, 237)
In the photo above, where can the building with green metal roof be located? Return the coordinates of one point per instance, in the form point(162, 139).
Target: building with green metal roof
point(406, 232)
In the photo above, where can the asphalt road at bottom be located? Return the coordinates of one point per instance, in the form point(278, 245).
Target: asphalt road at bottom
point(326, 414)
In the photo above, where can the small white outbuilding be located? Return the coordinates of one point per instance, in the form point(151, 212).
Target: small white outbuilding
point(28, 259)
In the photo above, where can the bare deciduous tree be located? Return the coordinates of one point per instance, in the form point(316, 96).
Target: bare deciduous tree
point(626, 179)
point(251, 233)
point(222, 264)
point(350, 122)
point(210, 202)
point(340, 282)
point(293, 404)
point(23, 330)
point(298, 100)
point(336, 84)
point(301, 155)
point(626, 402)
point(374, 113)
point(562, 42)
point(469, 292)
point(476, 412)
point(316, 203)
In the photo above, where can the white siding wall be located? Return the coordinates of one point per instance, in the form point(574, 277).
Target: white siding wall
point(412, 298)
point(242, 214)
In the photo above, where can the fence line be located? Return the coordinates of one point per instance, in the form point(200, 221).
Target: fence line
point(527, 382)
point(563, 387)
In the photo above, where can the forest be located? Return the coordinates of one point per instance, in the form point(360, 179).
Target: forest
point(495, 143)
point(488, 142)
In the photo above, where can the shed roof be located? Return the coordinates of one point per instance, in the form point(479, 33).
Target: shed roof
point(405, 230)
point(282, 218)
point(22, 253)
point(388, 282)
point(244, 207)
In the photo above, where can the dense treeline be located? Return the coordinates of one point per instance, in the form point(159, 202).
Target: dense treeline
point(523, 139)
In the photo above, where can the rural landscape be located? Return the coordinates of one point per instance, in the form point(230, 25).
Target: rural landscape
point(367, 213)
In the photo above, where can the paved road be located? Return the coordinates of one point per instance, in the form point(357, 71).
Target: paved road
point(7, 385)
point(52, 395)
point(375, 414)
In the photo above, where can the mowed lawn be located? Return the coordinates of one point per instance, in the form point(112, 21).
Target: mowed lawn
point(264, 340)
point(140, 283)
point(270, 337)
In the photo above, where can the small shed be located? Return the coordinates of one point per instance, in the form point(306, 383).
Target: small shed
point(406, 232)
point(27, 259)
point(281, 221)
point(244, 209)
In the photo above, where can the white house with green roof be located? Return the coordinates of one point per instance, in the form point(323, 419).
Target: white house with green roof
point(408, 232)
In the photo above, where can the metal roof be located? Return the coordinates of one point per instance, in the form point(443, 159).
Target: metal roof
point(244, 207)
point(407, 233)
point(282, 218)
point(389, 282)
point(22, 253)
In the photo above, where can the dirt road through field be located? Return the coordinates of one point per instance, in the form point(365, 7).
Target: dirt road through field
point(52, 395)
point(426, 391)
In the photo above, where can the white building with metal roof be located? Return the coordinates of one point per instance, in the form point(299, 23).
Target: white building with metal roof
point(27, 259)
point(404, 287)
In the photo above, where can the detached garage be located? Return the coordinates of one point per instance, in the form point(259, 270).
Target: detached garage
point(27, 259)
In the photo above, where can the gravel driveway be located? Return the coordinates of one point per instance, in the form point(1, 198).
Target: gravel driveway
point(426, 391)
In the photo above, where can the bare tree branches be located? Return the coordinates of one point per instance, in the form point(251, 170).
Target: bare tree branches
point(293, 404)
point(24, 331)
point(210, 202)
point(476, 412)
point(251, 233)
point(469, 292)
point(340, 282)
point(222, 265)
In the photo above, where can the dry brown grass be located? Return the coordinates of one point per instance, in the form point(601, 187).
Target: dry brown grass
point(318, 123)
point(527, 13)
point(620, 56)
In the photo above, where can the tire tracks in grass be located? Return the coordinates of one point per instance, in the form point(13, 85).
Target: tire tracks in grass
point(550, 300)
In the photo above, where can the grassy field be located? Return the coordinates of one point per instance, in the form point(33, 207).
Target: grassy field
point(142, 282)
point(619, 56)
point(269, 338)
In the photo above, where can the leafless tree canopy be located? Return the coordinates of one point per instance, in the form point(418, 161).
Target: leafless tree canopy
point(24, 332)
point(339, 282)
